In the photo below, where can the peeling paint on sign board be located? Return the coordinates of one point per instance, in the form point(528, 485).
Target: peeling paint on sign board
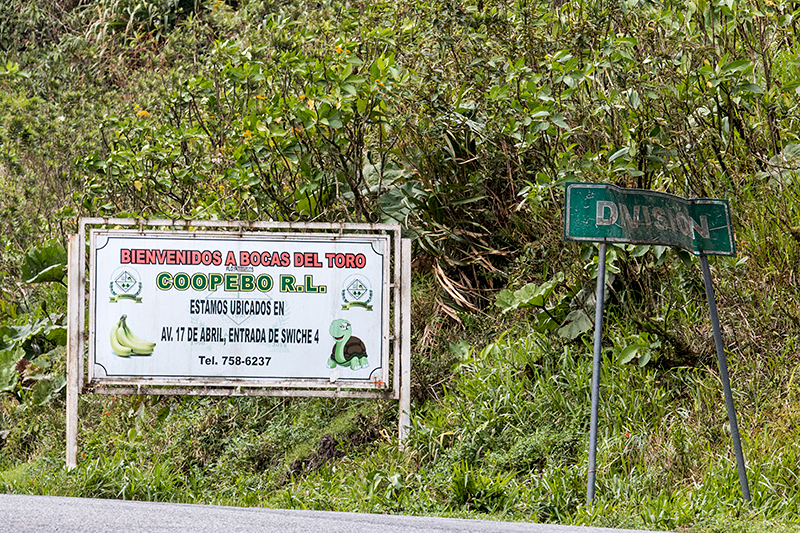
point(601, 212)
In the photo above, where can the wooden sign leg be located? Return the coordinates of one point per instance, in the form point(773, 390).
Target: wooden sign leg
point(74, 349)
point(405, 343)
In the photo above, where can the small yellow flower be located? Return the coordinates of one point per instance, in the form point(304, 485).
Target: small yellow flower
point(142, 114)
point(261, 97)
point(339, 49)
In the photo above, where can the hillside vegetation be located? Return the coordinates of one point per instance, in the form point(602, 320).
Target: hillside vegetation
point(462, 122)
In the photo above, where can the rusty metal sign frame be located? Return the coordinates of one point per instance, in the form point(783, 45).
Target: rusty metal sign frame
point(397, 330)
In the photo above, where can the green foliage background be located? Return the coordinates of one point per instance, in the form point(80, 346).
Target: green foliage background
point(462, 122)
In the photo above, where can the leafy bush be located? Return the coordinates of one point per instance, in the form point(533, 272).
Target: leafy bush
point(461, 122)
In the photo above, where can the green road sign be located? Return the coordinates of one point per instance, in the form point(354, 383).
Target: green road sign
point(600, 212)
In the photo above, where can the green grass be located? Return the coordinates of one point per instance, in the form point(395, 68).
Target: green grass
point(480, 112)
point(508, 440)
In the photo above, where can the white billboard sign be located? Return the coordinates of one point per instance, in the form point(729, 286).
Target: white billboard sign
point(258, 309)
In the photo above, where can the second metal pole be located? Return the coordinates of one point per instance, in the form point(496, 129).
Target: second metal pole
point(723, 374)
point(597, 360)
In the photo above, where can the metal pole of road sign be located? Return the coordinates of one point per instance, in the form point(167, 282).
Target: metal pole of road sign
point(602, 212)
point(723, 374)
point(598, 337)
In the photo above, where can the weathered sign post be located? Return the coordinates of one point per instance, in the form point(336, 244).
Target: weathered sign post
point(599, 212)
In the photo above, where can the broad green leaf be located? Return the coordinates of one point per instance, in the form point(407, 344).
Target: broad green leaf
point(749, 88)
point(47, 387)
point(619, 153)
point(559, 121)
point(635, 101)
point(46, 263)
point(791, 152)
point(56, 334)
point(334, 122)
point(506, 301)
point(736, 66)
point(460, 349)
point(8, 371)
point(627, 354)
point(792, 86)
point(544, 323)
point(576, 323)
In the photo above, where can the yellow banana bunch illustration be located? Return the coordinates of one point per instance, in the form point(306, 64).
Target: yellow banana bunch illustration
point(125, 343)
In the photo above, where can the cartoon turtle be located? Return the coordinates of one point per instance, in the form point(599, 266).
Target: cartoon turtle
point(348, 350)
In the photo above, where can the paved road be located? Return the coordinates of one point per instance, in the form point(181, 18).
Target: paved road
point(47, 513)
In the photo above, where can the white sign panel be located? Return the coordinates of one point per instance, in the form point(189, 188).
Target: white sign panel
point(268, 308)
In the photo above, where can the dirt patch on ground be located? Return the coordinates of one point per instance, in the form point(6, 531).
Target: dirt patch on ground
point(332, 447)
point(366, 430)
point(329, 449)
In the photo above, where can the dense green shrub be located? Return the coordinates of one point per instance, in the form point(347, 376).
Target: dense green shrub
point(462, 122)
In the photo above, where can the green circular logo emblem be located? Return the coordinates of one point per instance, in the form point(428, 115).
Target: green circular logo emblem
point(125, 284)
point(357, 292)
